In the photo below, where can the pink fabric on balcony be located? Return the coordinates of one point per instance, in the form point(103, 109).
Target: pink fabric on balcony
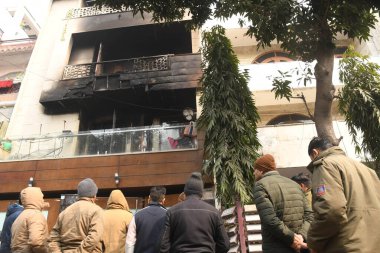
point(6, 83)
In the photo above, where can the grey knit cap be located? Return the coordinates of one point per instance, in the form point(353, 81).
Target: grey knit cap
point(194, 185)
point(87, 188)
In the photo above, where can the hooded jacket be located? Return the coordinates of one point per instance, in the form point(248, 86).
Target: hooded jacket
point(13, 212)
point(116, 220)
point(79, 228)
point(29, 231)
point(284, 211)
point(346, 204)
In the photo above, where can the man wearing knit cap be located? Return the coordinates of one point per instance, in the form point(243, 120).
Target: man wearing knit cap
point(79, 227)
point(284, 211)
point(193, 225)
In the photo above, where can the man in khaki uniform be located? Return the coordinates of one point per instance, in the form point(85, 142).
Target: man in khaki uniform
point(346, 202)
point(29, 231)
point(79, 227)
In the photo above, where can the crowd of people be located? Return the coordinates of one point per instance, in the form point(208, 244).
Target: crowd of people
point(345, 211)
point(343, 215)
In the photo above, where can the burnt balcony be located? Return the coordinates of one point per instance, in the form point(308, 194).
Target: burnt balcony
point(127, 79)
point(93, 11)
point(134, 65)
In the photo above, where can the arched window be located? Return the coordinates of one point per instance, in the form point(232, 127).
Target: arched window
point(274, 56)
point(339, 51)
point(281, 56)
point(289, 119)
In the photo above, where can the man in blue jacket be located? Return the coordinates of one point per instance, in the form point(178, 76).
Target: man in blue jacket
point(13, 212)
point(146, 226)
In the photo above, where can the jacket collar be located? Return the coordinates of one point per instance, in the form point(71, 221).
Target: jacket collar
point(193, 196)
point(154, 203)
point(322, 155)
point(86, 199)
point(271, 173)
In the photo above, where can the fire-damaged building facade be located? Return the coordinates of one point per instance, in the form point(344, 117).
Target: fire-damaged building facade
point(107, 95)
point(115, 97)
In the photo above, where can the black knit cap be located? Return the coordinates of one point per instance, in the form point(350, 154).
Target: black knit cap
point(194, 185)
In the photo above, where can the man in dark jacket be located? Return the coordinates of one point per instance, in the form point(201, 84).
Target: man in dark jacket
point(346, 202)
point(283, 208)
point(193, 225)
point(145, 229)
point(13, 212)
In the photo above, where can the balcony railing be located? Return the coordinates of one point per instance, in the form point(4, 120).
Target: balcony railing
point(151, 63)
point(289, 143)
point(93, 11)
point(99, 142)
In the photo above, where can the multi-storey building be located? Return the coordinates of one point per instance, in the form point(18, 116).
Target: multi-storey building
point(18, 32)
point(108, 95)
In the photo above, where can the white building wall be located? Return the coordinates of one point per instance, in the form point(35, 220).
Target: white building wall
point(45, 67)
point(288, 143)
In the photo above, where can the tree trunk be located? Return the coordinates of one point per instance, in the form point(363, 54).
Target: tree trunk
point(325, 92)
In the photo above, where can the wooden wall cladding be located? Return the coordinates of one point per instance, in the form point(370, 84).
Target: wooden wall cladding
point(135, 170)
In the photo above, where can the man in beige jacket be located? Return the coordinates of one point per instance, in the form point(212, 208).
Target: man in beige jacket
point(116, 221)
point(79, 227)
point(29, 231)
point(346, 202)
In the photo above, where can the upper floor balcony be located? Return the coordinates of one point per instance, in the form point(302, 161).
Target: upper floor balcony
point(93, 18)
point(288, 143)
point(130, 78)
point(93, 11)
point(123, 66)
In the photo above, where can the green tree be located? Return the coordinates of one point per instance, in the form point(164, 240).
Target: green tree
point(305, 28)
point(359, 100)
point(229, 118)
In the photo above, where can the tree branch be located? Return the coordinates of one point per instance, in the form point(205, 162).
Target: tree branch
point(307, 107)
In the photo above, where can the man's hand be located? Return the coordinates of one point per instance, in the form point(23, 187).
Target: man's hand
point(298, 243)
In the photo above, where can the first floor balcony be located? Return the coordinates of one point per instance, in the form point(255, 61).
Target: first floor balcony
point(140, 157)
point(146, 139)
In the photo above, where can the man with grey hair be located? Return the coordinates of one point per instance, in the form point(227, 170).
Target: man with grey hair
point(79, 227)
